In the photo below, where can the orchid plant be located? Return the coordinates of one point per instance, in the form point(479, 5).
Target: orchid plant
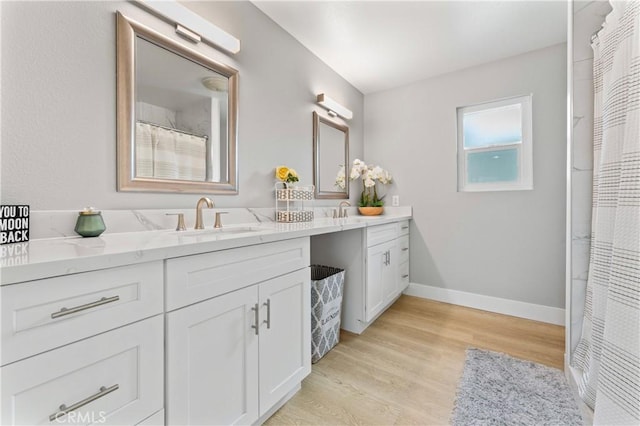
point(371, 175)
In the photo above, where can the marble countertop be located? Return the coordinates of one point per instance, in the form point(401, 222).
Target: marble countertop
point(51, 257)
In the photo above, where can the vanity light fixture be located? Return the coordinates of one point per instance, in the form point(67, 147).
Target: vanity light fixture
point(191, 25)
point(333, 107)
point(188, 34)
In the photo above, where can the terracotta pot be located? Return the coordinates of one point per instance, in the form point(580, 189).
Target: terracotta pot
point(370, 211)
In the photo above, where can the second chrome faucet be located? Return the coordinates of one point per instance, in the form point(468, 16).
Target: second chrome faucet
point(343, 211)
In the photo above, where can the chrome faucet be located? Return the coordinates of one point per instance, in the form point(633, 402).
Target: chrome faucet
point(201, 201)
point(343, 212)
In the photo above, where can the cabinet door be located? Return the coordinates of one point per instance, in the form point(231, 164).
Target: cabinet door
point(381, 279)
point(285, 335)
point(212, 361)
point(391, 278)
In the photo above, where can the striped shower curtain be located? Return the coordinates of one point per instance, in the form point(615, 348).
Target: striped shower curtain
point(608, 354)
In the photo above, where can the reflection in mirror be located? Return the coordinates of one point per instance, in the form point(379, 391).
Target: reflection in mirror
point(176, 116)
point(330, 158)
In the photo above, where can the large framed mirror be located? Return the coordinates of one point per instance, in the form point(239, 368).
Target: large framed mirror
point(330, 158)
point(177, 115)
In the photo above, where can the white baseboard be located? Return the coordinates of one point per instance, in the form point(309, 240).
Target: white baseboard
point(498, 305)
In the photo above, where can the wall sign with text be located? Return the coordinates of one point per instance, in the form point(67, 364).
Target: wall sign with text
point(14, 224)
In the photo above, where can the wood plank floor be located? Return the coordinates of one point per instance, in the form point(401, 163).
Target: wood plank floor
point(404, 368)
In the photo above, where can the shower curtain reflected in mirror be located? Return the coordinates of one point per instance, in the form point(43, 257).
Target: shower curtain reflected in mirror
point(608, 354)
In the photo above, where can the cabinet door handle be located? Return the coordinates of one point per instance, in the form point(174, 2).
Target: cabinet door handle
point(405, 276)
point(64, 410)
point(256, 312)
point(405, 249)
point(268, 320)
point(405, 227)
point(68, 311)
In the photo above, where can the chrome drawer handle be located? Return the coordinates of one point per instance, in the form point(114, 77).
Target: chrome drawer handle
point(268, 320)
point(256, 318)
point(68, 311)
point(64, 410)
point(405, 249)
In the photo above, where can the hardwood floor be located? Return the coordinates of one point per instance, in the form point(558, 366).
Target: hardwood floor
point(404, 368)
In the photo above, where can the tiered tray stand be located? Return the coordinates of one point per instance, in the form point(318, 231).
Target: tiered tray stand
point(293, 204)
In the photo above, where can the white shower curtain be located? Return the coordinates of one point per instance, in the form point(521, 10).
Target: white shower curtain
point(608, 354)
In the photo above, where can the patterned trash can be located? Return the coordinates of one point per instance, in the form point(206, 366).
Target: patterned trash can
point(326, 300)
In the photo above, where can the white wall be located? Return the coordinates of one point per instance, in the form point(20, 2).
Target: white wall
point(502, 244)
point(58, 125)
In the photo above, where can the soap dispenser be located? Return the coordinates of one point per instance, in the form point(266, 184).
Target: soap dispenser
point(90, 223)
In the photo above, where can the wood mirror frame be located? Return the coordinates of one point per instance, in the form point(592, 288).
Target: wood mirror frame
point(127, 32)
point(320, 191)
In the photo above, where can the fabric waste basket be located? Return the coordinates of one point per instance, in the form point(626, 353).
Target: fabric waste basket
point(326, 305)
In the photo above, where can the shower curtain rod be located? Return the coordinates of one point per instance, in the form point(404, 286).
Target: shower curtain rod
point(173, 130)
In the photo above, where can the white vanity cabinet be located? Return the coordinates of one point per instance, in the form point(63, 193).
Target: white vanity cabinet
point(184, 331)
point(382, 282)
point(376, 263)
point(83, 348)
point(236, 356)
point(387, 263)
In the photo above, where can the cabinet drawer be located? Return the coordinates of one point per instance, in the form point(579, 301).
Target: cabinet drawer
point(117, 377)
point(195, 278)
point(381, 233)
point(403, 227)
point(403, 247)
point(403, 270)
point(45, 314)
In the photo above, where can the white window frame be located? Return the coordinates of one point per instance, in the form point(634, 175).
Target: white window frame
point(525, 148)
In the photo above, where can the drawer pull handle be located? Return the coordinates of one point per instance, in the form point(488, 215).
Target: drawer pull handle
point(68, 311)
point(405, 276)
point(268, 320)
point(405, 227)
point(405, 249)
point(64, 410)
point(256, 318)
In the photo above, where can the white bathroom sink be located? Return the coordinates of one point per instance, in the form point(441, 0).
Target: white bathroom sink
point(219, 231)
point(357, 219)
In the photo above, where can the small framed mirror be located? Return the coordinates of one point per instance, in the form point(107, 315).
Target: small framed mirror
point(330, 158)
point(177, 115)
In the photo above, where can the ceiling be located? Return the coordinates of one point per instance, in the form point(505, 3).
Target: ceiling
point(378, 45)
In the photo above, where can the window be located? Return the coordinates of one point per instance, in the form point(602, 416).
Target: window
point(494, 146)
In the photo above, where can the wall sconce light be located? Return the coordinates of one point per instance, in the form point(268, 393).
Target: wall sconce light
point(333, 107)
point(190, 25)
point(188, 34)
